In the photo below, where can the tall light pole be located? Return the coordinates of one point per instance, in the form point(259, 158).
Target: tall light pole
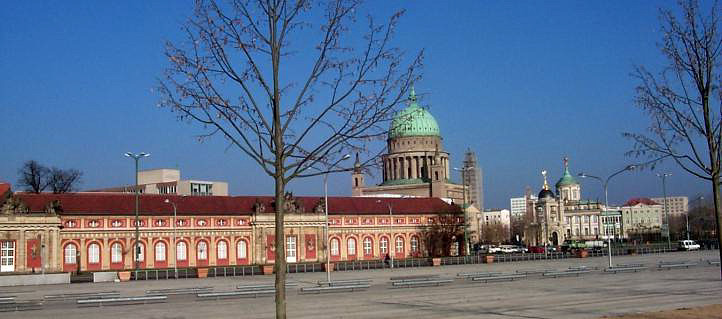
point(605, 183)
point(137, 157)
point(664, 176)
point(391, 232)
point(175, 246)
point(325, 208)
point(466, 228)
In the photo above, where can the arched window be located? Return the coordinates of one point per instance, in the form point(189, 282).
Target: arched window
point(368, 246)
point(202, 250)
point(384, 245)
point(70, 251)
point(351, 246)
point(181, 251)
point(93, 253)
point(334, 247)
point(414, 244)
point(160, 251)
point(141, 252)
point(242, 249)
point(116, 253)
point(399, 245)
point(222, 250)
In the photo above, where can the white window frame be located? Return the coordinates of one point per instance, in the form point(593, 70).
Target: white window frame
point(351, 246)
point(93, 253)
point(160, 250)
point(399, 244)
point(69, 253)
point(116, 253)
point(181, 251)
point(384, 245)
point(335, 243)
point(222, 250)
point(242, 249)
point(202, 250)
point(368, 246)
point(414, 244)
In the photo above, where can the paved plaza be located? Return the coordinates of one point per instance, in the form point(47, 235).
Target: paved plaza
point(591, 295)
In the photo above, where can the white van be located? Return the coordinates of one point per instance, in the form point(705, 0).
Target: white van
point(688, 245)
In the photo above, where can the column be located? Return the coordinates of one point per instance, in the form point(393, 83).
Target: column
point(446, 166)
point(54, 247)
point(414, 167)
point(20, 249)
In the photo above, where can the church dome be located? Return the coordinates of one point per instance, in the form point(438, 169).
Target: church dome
point(413, 121)
point(567, 179)
point(545, 194)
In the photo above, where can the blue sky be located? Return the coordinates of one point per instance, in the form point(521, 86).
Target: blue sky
point(522, 83)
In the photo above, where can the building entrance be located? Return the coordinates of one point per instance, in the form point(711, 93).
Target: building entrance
point(7, 256)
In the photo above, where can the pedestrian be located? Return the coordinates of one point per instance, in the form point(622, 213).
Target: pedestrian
point(387, 260)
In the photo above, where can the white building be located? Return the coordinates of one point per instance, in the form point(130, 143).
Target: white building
point(168, 181)
point(676, 205)
point(641, 216)
point(518, 205)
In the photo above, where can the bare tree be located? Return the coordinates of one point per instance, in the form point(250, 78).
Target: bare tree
point(494, 233)
point(33, 176)
point(683, 100)
point(439, 235)
point(286, 84)
point(63, 181)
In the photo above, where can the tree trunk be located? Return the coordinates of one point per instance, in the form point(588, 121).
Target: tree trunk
point(280, 265)
point(718, 217)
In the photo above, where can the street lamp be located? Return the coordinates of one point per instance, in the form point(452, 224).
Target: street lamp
point(605, 183)
point(466, 228)
point(664, 176)
point(391, 233)
point(325, 208)
point(137, 157)
point(175, 246)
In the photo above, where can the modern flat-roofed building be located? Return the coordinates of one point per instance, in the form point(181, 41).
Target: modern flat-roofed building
point(168, 181)
point(676, 205)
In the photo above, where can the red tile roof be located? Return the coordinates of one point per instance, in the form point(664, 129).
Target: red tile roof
point(124, 204)
point(4, 188)
point(641, 200)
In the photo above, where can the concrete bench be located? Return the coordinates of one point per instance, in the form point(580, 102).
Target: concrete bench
point(534, 271)
point(556, 274)
point(583, 267)
point(21, 306)
point(486, 279)
point(237, 294)
point(7, 299)
point(420, 283)
point(477, 274)
point(178, 291)
point(121, 300)
point(670, 266)
point(617, 269)
point(413, 277)
point(335, 288)
point(263, 287)
point(713, 262)
point(628, 265)
point(86, 295)
point(345, 282)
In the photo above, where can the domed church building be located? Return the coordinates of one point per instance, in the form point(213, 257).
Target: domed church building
point(416, 164)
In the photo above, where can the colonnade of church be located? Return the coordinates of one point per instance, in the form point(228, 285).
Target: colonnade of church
point(412, 166)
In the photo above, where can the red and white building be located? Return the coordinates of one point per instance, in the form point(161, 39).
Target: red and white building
point(96, 231)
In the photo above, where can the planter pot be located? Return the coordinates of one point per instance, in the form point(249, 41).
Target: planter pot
point(632, 251)
point(202, 272)
point(582, 253)
point(436, 261)
point(330, 267)
point(488, 259)
point(124, 275)
point(267, 269)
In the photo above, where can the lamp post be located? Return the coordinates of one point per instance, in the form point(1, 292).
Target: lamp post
point(466, 228)
point(137, 157)
point(664, 176)
point(325, 209)
point(605, 183)
point(175, 246)
point(391, 232)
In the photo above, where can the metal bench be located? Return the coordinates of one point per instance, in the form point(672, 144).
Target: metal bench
point(413, 277)
point(477, 274)
point(420, 283)
point(7, 299)
point(713, 262)
point(556, 274)
point(670, 266)
point(85, 295)
point(21, 306)
point(628, 265)
point(335, 288)
point(178, 291)
point(345, 282)
point(237, 294)
point(121, 300)
point(534, 271)
point(618, 268)
point(263, 287)
point(583, 267)
point(509, 277)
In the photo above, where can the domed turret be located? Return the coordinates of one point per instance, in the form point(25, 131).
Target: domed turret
point(567, 179)
point(413, 121)
point(545, 193)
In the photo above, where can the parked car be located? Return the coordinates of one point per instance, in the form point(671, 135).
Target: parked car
point(508, 249)
point(521, 249)
point(494, 249)
point(536, 249)
point(687, 245)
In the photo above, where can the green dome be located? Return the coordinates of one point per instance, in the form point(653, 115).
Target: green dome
point(413, 121)
point(567, 179)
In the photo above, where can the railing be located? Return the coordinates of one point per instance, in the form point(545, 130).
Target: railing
point(303, 267)
point(234, 271)
point(157, 274)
